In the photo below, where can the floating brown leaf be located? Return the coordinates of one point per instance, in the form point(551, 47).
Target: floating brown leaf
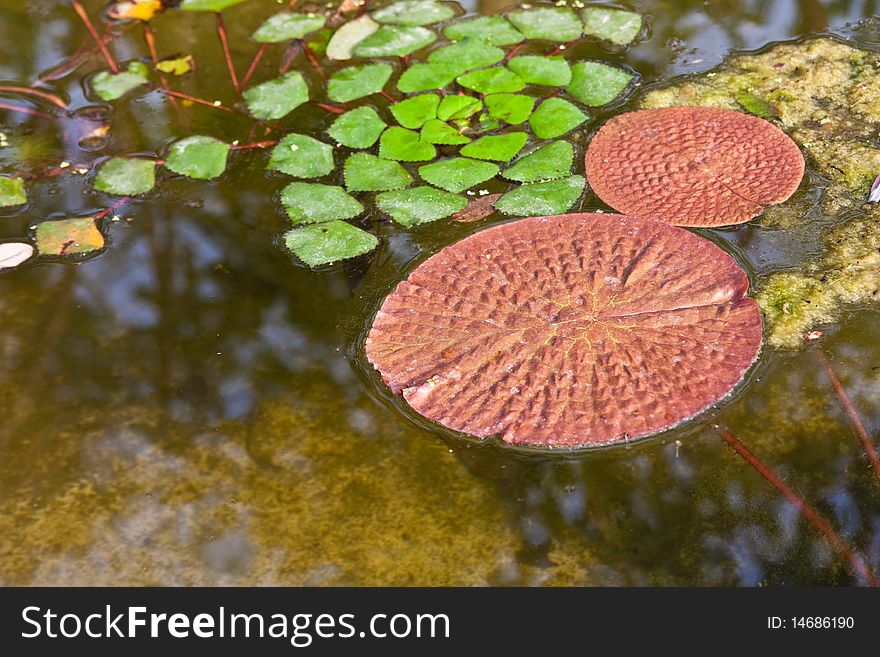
point(693, 166)
point(576, 330)
point(479, 208)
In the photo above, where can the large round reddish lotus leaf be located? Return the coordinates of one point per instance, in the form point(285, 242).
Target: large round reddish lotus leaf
point(579, 329)
point(693, 166)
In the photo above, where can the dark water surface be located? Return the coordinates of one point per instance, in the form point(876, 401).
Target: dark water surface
point(190, 407)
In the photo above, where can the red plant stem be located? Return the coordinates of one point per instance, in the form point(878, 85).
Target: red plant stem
point(27, 110)
point(836, 540)
point(289, 56)
point(224, 42)
point(256, 144)
point(52, 98)
point(79, 57)
point(387, 96)
point(97, 37)
point(558, 49)
point(103, 213)
point(194, 99)
point(312, 59)
point(852, 412)
point(510, 54)
point(154, 55)
point(253, 67)
point(329, 108)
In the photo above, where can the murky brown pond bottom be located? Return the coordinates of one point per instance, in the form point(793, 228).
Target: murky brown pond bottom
point(190, 407)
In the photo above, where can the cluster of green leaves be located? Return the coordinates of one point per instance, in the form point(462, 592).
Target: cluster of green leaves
point(471, 112)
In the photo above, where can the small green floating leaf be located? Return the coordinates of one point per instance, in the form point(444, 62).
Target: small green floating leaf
point(492, 81)
point(510, 108)
point(325, 243)
point(494, 30)
point(547, 23)
point(501, 148)
point(413, 12)
point(277, 98)
point(436, 131)
point(110, 86)
point(358, 128)
point(312, 203)
point(12, 191)
point(68, 237)
point(542, 198)
point(208, 5)
point(367, 173)
point(288, 25)
point(614, 25)
point(547, 71)
point(413, 112)
point(554, 117)
point(176, 65)
point(467, 54)
point(394, 41)
point(198, 157)
point(301, 156)
point(419, 205)
point(126, 176)
point(358, 81)
point(549, 162)
point(757, 106)
point(458, 173)
point(401, 144)
point(594, 83)
point(458, 107)
point(424, 77)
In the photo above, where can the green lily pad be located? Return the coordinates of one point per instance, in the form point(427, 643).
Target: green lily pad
point(419, 205)
point(467, 54)
point(458, 107)
point(358, 81)
point(110, 86)
point(277, 98)
point(359, 128)
point(501, 148)
point(288, 25)
point(549, 162)
point(176, 65)
point(554, 117)
point(404, 145)
point(12, 191)
point(413, 112)
point(367, 173)
point(547, 71)
point(68, 237)
point(436, 131)
point(126, 176)
point(198, 157)
point(594, 84)
point(542, 198)
point(614, 25)
point(494, 30)
point(208, 5)
point(413, 12)
point(301, 156)
point(458, 173)
point(394, 41)
point(326, 243)
point(547, 23)
point(492, 81)
point(424, 77)
point(510, 108)
point(312, 203)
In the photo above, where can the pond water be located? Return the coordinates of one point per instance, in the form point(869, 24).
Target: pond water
point(191, 406)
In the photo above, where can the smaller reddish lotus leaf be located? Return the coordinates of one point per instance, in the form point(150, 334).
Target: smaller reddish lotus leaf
point(693, 166)
point(577, 330)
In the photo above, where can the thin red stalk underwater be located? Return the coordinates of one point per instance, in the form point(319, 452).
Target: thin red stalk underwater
point(854, 417)
point(45, 95)
point(257, 144)
point(103, 213)
point(150, 39)
point(224, 42)
point(253, 67)
point(313, 60)
point(835, 539)
point(97, 37)
point(27, 110)
point(289, 56)
point(194, 99)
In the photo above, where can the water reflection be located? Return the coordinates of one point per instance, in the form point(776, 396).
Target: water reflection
point(187, 407)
